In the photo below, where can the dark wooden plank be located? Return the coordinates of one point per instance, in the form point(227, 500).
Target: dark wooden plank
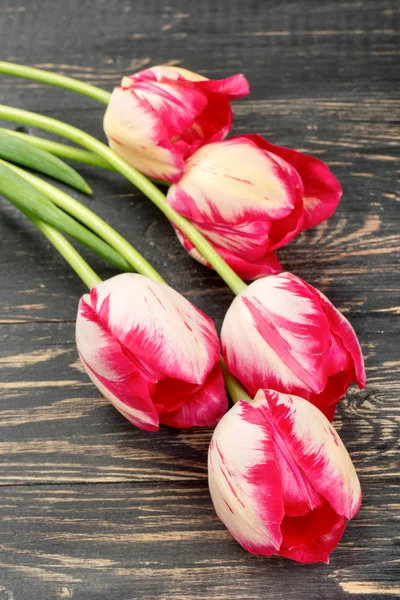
point(164, 541)
point(290, 49)
point(92, 508)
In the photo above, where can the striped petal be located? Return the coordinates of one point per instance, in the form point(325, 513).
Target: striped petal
point(274, 336)
point(233, 87)
point(116, 377)
point(280, 478)
point(317, 450)
point(151, 353)
point(176, 106)
point(247, 202)
point(159, 116)
point(282, 334)
point(203, 408)
point(234, 182)
point(244, 480)
point(322, 191)
point(135, 132)
point(342, 329)
point(159, 329)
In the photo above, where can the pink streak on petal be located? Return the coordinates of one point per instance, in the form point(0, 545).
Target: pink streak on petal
point(204, 407)
point(130, 397)
point(270, 327)
point(322, 191)
point(342, 328)
point(118, 379)
point(233, 87)
point(318, 451)
point(154, 335)
point(241, 454)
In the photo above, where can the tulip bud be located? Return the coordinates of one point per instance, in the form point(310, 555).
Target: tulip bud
point(246, 201)
point(249, 198)
point(158, 117)
point(151, 353)
point(281, 479)
point(283, 334)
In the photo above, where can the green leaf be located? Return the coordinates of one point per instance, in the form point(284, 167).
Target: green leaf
point(30, 201)
point(20, 152)
point(61, 150)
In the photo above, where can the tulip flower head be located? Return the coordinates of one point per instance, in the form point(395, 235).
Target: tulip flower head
point(158, 117)
point(281, 479)
point(283, 334)
point(151, 353)
point(249, 198)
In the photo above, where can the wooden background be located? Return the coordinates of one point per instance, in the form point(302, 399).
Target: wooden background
point(93, 509)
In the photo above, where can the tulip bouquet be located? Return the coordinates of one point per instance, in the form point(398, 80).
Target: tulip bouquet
point(280, 478)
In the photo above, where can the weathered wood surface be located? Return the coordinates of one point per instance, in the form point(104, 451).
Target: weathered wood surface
point(93, 509)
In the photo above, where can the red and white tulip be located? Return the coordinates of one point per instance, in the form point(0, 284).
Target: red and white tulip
point(281, 333)
point(151, 353)
point(281, 479)
point(249, 198)
point(158, 117)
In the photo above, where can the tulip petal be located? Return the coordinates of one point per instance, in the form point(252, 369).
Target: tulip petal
point(322, 191)
point(318, 451)
point(244, 480)
point(345, 332)
point(305, 529)
point(244, 200)
point(161, 330)
point(215, 122)
point(217, 187)
point(175, 105)
point(232, 87)
point(235, 86)
point(163, 73)
point(138, 136)
point(279, 344)
point(204, 408)
point(161, 115)
point(267, 265)
point(109, 369)
point(126, 396)
point(320, 549)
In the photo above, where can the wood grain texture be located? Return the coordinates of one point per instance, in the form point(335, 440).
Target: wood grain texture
point(93, 509)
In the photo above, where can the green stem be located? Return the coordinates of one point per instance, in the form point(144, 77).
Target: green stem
point(67, 251)
point(235, 389)
point(140, 181)
point(62, 81)
point(70, 152)
point(95, 223)
point(62, 150)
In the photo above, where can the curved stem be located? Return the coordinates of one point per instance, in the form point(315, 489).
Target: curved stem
point(140, 181)
point(67, 251)
point(95, 223)
point(235, 389)
point(62, 81)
